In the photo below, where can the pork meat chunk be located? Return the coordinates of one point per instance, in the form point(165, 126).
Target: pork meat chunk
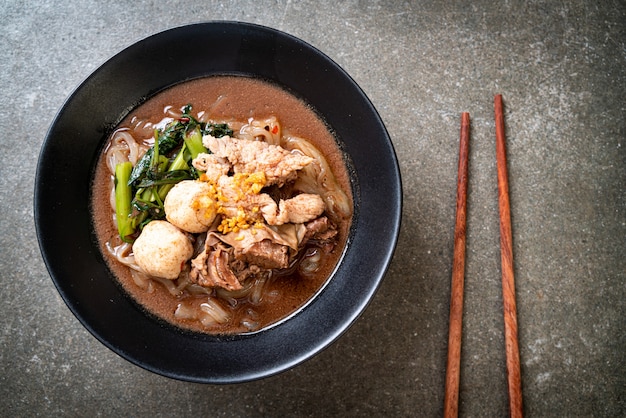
point(213, 166)
point(298, 209)
point(321, 229)
point(265, 254)
point(211, 269)
point(278, 164)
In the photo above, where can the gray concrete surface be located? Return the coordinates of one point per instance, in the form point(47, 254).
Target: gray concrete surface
point(561, 69)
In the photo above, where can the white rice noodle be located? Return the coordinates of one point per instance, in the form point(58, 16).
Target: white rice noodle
point(250, 324)
point(272, 295)
point(142, 280)
point(183, 280)
point(257, 290)
point(170, 285)
point(231, 296)
point(209, 313)
point(141, 126)
point(214, 312)
point(267, 130)
point(311, 261)
point(123, 253)
point(172, 112)
point(250, 320)
point(196, 289)
point(185, 311)
point(112, 199)
point(178, 286)
point(123, 148)
point(203, 116)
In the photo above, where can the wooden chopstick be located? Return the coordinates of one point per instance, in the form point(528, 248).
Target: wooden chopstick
point(508, 280)
point(453, 366)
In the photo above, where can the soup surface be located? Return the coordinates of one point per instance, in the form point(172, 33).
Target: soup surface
point(265, 290)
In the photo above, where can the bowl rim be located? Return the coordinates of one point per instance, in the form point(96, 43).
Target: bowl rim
point(285, 352)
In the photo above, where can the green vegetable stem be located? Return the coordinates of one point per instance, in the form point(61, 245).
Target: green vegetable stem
point(193, 140)
point(123, 197)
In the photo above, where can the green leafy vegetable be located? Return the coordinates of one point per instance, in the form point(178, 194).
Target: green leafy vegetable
point(168, 177)
point(217, 130)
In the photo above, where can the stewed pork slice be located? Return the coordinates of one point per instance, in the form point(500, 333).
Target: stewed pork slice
point(320, 229)
point(245, 156)
point(265, 254)
point(301, 208)
point(298, 209)
point(211, 165)
point(162, 249)
point(211, 269)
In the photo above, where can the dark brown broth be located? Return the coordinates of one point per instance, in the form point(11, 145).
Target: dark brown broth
point(239, 99)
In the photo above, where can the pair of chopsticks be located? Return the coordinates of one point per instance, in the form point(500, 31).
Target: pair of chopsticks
point(453, 366)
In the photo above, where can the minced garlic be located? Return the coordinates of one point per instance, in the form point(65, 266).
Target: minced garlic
point(244, 184)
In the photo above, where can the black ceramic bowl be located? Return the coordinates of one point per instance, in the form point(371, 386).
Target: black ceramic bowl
point(64, 224)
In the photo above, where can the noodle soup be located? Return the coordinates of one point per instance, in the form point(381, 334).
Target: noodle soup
point(234, 208)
